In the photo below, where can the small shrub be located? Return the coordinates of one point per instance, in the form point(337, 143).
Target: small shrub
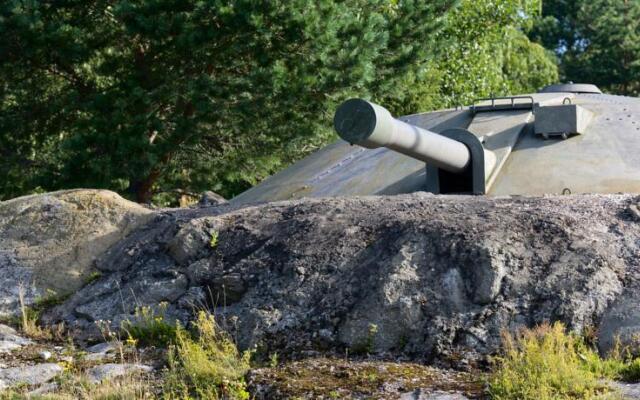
point(206, 365)
point(620, 364)
point(630, 372)
point(149, 327)
point(610, 367)
point(543, 364)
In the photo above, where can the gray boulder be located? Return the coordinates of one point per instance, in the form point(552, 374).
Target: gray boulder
point(28, 375)
point(50, 242)
point(627, 391)
point(428, 276)
point(10, 340)
point(210, 199)
point(101, 351)
point(428, 395)
point(109, 371)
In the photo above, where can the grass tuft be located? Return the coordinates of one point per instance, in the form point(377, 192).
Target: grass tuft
point(29, 320)
point(149, 327)
point(206, 364)
point(548, 363)
point(75, 386)
point(213, 242)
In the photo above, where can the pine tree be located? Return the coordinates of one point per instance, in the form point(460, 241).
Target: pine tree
point(121, 90)
point(156, 97)
point(611, 48)
point(596, 41)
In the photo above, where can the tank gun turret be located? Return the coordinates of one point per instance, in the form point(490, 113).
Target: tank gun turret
point(566, 138)
point(456, 153)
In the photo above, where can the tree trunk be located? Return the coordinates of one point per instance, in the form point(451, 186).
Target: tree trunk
point(143, 189)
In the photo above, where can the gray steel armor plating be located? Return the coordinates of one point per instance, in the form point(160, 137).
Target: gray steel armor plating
point(603, 158)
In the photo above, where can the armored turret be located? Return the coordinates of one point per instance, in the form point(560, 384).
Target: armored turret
point(567, 138)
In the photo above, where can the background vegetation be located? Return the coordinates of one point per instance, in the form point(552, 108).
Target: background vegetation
point(596, 41)
point(160, 98)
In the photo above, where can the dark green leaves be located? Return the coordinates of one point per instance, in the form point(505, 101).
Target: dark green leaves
point(156, 97)
point(597, 41)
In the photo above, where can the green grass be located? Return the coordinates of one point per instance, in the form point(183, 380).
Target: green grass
point(30, 319)
point(149, 327)
point(202, 363)
point(548, 363)
point(92, 277)
point(50, 300)
point(205, 364)
point(619, 365)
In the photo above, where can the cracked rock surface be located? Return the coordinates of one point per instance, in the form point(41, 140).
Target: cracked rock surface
point(49, 242)
point(429, 277)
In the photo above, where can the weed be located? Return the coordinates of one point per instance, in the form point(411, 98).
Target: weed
point(619, 364)
point(546, 363)
point(73, 383)
point(29, 319)
point(371, 336)
point(149, 327)
point(92, 277)
point(49, 301)
point(273, 360)
point(213, 242)
point(205, 365)
point(75, 386)
point(590, 335)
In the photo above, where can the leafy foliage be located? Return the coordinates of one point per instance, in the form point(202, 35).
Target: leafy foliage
point(597, 41)
point(489, 54)
point(160, 98)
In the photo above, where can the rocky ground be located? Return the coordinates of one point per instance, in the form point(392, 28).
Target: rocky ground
point(33, 365)
point(343, 378)
point(429, 279)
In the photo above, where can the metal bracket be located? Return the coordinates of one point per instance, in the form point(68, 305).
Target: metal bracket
point(562, 121)
point(512, 105)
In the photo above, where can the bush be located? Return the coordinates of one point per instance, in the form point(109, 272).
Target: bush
point(546, 363)
point(206, 365)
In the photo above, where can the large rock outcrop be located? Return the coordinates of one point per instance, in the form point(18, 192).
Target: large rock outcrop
point(48, 243)
point(428, 276)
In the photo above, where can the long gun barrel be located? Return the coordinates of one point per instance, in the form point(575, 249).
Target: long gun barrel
point(370, 125)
